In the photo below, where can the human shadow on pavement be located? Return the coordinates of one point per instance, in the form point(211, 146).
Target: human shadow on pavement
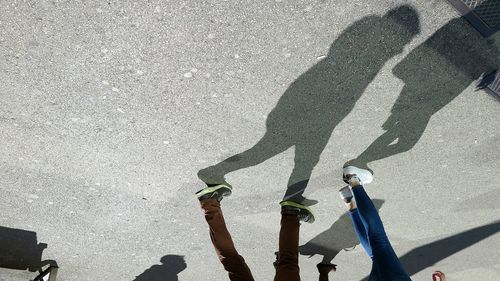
point(340, 236)
point(318, 100)
point(427, 255)
point(20, 250)
point(171, 266)
point(434, 73)
point(482, 201)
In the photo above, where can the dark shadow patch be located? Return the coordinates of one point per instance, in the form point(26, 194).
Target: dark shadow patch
point(171, 266)
point(340, 236)
point(19, 249)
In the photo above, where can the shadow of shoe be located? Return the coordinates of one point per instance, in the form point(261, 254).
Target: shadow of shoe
point(309, 202)
point(359, 164)
point(209, 177)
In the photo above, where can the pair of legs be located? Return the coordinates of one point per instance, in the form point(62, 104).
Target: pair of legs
point(287, 264)
point(371, 234)
point(287, 268)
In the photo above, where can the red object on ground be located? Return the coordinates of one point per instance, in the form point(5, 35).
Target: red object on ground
point(438, 276)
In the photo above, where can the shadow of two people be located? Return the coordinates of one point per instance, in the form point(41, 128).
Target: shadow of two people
point(434, 73)
point(317, 101)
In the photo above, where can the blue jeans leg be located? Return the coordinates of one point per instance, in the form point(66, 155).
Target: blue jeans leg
point(360, 230)
point(386, 264)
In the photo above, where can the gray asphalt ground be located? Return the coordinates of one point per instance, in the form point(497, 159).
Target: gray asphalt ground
point(110, 108)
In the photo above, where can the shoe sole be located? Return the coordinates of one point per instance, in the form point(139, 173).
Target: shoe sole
point(346, 193)
point(300, 206)
point(364, 175)
point(212, 189)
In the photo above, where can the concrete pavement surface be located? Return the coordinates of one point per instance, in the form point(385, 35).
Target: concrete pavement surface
point(110, 108)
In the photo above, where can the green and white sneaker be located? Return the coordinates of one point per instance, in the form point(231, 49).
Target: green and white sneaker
point(304, 213)
point(218, 192)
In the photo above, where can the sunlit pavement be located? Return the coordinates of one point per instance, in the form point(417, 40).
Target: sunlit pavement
point(109, 109)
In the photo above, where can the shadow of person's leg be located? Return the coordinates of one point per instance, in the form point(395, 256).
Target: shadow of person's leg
point(307, 155)
point(271, 144)
point(399, 137)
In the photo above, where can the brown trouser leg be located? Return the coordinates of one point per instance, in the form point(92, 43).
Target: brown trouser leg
point(287, 267)
point(324, 269)
point(233, 263)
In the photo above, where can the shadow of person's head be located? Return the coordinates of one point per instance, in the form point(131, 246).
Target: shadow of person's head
point(174, 262)
point(406, 17)
point(401, 25)
point(392, 31)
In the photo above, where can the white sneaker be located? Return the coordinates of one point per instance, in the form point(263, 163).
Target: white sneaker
point(365, 176)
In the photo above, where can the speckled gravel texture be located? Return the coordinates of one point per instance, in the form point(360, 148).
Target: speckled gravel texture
point(108, 109)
